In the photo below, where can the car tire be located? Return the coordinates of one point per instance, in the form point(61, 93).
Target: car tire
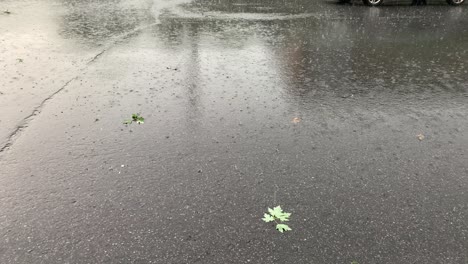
point(455, 2)
point(379, 2)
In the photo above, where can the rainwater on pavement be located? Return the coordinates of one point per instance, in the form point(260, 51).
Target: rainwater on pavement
point(353, 119)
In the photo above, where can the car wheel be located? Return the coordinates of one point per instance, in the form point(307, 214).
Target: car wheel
point(455, 2)
point(378, 2)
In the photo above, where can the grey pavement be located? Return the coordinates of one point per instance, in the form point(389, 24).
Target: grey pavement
point(354, 119)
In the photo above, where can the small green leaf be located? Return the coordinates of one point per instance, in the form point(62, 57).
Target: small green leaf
point(277, 211)
point(135, 118)
point(284, 217)
point(277, 215)
point(283, 227)
point(270, 210)
point(268, 218)
point(354, 262)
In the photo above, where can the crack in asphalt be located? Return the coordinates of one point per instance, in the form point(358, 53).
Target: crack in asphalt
point(96, 57)
point(25, 122)
point(37, 110)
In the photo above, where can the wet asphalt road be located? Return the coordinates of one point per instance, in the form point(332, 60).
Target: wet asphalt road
point(316, 107)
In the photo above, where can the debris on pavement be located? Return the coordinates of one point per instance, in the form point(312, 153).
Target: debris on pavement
point(135, 118)
point(420, 137)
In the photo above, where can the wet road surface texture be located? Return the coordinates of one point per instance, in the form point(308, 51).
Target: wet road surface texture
point(353, 119)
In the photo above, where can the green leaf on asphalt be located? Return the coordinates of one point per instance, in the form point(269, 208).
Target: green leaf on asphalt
point(284, 217)
point(135, 118)
point(140, 120)
point(278, 213)
point(283, 227)
point(278, 216)
point(268, 218)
